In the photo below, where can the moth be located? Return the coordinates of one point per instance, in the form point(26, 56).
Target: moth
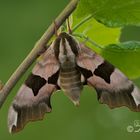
point(69, 65)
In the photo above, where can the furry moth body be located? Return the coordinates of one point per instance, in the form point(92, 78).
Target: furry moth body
point(68, 65)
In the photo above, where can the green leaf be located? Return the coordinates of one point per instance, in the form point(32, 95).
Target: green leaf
point(97, 32)
point(112, 13)
point(125, 56)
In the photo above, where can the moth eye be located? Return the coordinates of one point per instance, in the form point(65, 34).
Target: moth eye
point(35, 82)
point(104, 71)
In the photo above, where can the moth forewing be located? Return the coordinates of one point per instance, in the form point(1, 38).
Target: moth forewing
point(136, 96)
point(33, 98)
point(112, 86)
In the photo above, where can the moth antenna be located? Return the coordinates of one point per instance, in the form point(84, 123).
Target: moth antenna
point(55, 28)
point(69, 26)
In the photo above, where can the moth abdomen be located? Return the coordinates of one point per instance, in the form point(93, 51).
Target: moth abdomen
point(70, 83)
point(71, 78)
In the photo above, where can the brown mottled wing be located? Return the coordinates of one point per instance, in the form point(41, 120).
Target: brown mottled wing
point(112, 86)
point(33, 98)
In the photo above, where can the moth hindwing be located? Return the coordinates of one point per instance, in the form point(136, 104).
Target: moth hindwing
point(69, 65)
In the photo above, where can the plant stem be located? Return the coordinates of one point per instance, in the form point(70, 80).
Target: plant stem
point(89, 40)
point(82, 22)
point(38, 48)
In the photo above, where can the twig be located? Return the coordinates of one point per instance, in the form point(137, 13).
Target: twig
point(38, 48)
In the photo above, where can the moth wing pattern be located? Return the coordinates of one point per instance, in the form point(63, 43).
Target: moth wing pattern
point(112, 86)
point(33, 98)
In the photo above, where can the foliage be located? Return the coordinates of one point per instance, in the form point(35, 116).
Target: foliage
point(99, 22)
point(111, 12)
point(125, 56)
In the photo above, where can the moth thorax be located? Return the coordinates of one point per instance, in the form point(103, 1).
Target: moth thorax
point(65, 52)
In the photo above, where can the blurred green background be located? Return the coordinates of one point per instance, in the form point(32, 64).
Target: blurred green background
point(22, 23)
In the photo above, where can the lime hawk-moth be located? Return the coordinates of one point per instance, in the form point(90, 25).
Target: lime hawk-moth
point(69, 65)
